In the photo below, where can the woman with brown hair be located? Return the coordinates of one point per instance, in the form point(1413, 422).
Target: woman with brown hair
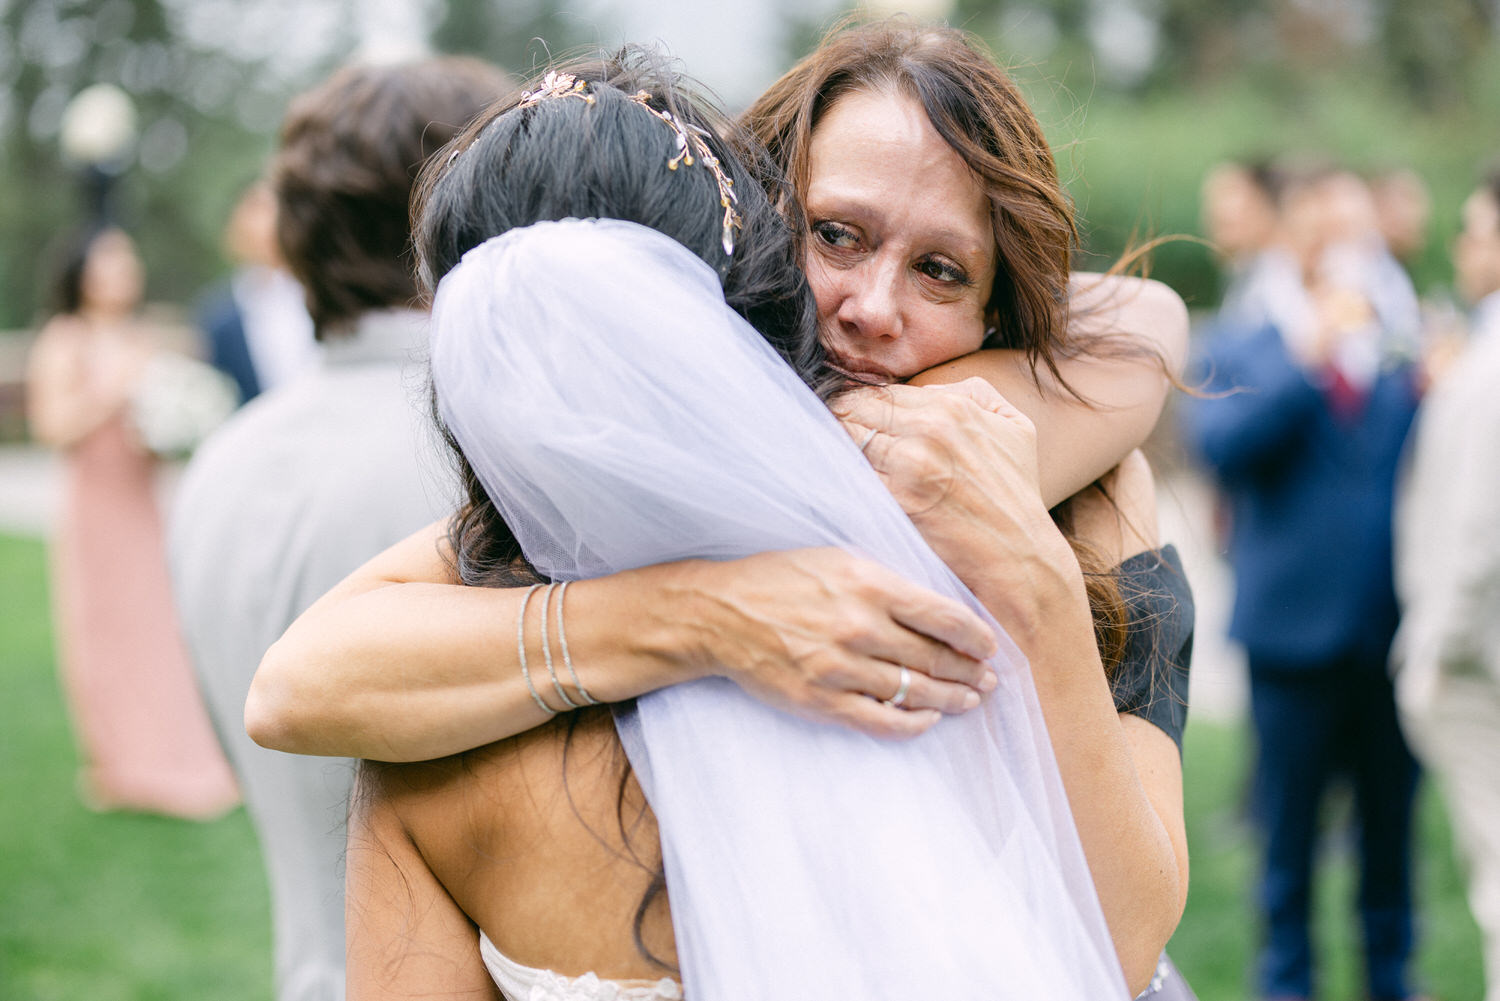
point(818, 631)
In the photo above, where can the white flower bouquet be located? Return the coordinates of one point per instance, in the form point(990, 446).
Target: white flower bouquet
point(178, 402)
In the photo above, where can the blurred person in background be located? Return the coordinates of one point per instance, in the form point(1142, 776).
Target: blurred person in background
point(145, 741)
point(1403, 207)
point(1447, 652)
point(1239, 216)
point(1311, 393)
point(1326, 251)
point(314, 478)
point(255, 325)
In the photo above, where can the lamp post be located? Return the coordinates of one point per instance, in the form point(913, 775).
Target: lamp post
point(98, 135)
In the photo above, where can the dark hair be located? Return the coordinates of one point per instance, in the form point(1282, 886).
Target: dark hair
point(1269, 177)
point(565, 157)
point(350, 151)
point(978, 111)
point(1491, 184)
point(69, 260)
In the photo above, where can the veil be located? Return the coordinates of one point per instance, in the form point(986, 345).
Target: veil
point(620, 414)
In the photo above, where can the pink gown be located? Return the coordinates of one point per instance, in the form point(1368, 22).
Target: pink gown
point(144, 736)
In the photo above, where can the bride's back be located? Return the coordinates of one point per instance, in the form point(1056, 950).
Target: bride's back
point(544, 840)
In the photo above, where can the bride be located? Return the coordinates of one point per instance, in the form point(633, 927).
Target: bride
point(618, 413)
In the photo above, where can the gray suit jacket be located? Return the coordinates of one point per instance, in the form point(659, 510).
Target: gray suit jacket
point(297, 490)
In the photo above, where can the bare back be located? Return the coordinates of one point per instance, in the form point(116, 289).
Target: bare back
point(544, 841)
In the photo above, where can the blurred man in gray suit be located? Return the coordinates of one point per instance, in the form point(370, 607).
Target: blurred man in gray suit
point(308, 482)
point(1447, 652)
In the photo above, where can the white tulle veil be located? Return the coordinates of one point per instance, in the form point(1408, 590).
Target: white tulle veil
point(620, 414)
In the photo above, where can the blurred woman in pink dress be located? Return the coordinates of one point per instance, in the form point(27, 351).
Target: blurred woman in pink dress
point(144, 737)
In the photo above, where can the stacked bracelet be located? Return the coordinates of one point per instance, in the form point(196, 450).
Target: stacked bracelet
point(547, 647)
point(521, 649)
point(562, 637)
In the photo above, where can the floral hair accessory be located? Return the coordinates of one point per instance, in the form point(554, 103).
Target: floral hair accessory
point(691, 139)
point(556, 84)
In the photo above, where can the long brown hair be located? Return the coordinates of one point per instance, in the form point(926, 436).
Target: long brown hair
point(977, 109)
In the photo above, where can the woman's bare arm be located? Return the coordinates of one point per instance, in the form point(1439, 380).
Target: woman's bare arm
point(64, 402)
point(966, 473)
point(406, 936)
point(1120, 397)
point(401, 663)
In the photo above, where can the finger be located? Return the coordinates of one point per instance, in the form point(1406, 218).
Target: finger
point(945, 620)
point(849, 398)
point(871, 717)
point(975, 389)
point(861, 435)
point(875, 406)
point(932, 658)
point(922, 691)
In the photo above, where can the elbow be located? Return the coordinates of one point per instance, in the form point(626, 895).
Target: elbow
point(272, 718)
point(1141, 953)
point(45, 429)
point(1170, 325)
point(1141, 936)
point(1146, 310)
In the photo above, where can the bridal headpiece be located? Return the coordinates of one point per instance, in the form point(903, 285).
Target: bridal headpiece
point(691, 140)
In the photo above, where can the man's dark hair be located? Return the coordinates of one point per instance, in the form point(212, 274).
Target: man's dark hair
point(351, 149)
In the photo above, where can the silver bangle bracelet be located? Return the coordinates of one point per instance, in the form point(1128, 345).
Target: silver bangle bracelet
point(547, 649)
point(521, 650)
point(562, 638)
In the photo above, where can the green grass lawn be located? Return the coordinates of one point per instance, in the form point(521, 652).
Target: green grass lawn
point(1215, 942)
point(119, 906)
point(107, 907)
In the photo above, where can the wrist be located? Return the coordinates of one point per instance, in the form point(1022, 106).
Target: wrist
point(1037, 594)
point(669, 619)
point(631, 633)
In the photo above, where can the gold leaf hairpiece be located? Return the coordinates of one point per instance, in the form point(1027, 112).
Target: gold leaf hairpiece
point(691, 139)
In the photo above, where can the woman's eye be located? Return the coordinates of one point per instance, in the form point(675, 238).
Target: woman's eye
point(942, 271)
point(835, 235)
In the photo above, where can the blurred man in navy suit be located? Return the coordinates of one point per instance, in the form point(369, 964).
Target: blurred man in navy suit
point(1310, 396)
point(255, 324)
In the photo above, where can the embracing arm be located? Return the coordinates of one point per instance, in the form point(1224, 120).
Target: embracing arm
point(402, 663)
point(1120, 395)
point(963, 464)
point(1123, 774)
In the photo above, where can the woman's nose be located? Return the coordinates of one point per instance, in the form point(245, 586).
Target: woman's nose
point(870, 307)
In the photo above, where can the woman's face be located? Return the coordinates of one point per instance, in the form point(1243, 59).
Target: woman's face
point(113, 278)
point(901, 250)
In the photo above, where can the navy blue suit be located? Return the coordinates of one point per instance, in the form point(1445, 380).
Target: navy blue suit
point(1310, 491)
point(228, 351)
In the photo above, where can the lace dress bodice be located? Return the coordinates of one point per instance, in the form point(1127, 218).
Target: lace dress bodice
point(525, 983)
